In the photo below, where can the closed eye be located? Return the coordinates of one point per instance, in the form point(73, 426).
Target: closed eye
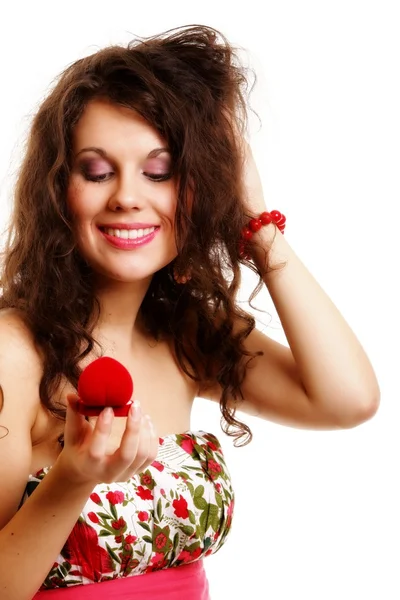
point(157, 177)
point(92, 175)
point(99, 178)
point(103, 177)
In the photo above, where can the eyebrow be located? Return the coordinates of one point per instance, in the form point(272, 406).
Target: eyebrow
point(152, 154)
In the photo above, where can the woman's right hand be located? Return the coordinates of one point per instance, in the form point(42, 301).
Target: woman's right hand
point(85, 459)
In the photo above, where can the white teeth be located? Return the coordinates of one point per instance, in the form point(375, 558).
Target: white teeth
point(129, 234)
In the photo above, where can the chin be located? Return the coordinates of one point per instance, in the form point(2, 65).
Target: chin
point(127, 269)
point(127, 276)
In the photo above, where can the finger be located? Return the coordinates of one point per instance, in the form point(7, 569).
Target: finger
point(147, 449)
point(75, 424)
point(141, 453)
point(132, 453)
point(101, 434)
point(121, 458)
point(128, 447)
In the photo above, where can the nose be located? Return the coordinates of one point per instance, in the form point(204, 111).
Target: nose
point(128, 194)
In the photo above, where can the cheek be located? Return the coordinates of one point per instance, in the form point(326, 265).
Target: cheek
point(171, 199)
point(74, 198)
point(166, 206)
point(80, 203)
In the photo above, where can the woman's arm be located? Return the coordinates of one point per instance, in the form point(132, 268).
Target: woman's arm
point(32, 537)
point(324, 379)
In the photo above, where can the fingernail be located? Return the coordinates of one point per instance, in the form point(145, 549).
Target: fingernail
point(135, 412)
point(108, 414)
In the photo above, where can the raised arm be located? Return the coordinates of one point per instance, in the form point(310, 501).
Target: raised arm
point(324, 379)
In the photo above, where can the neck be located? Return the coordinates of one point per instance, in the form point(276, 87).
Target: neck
point(120, 304)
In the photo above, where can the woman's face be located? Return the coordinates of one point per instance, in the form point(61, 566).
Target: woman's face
point(121, 193)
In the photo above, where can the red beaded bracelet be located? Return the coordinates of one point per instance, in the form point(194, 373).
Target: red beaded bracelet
point(255, 225)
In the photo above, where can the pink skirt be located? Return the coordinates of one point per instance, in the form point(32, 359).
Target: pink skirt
point(186, 581)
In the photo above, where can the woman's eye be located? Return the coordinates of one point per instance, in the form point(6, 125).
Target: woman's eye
point(97, 178)
point(157, 176)
point(96, 171)
point(158, 169)
point(100, 171)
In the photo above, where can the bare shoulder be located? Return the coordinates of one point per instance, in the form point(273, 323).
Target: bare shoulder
point(20, 369)
point(17, 346)
point(13, 326)
point(20, 374)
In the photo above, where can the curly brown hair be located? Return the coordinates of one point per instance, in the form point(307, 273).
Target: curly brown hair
point(189, 85)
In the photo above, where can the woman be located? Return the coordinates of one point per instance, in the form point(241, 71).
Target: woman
point(136, 204)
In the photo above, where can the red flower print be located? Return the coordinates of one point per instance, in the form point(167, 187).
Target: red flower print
point(214, 469)
point(130, 539)
point(132, 564)
point(157, 562)
point(185, 556)
point(181, 508)
point(160, 540)
point(187, 445)
point(157, 465)
point(93, 517)
point(120, 551)
point(147, 480)
point(116, 497)
point(119, 524)
point(144, 494)
point(212, 446)
point(82, 548)
point(157, 557)
point(214, 466)
point(196, 553)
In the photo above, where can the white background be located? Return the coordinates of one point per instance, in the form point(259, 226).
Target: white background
point(317, 513)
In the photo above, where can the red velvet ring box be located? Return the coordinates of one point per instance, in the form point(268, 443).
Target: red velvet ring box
point(105, 382)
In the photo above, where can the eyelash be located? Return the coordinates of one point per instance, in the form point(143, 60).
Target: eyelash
point(105, 177)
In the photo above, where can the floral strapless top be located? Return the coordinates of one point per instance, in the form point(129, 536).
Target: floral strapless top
point(177, 511)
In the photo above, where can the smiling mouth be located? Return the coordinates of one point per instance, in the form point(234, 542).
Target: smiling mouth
point(128, 234)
